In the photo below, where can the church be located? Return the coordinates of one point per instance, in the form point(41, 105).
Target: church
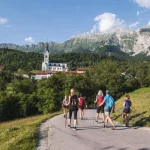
point(52, 66)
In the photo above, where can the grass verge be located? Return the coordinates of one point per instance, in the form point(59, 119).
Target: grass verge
point(140, 110)
point(22, 134)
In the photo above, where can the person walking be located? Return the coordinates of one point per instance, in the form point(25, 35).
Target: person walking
point(64, 105)
point(82, 105)
point(109, 106)
point(100, 108)
point(126, 111)
point(73, 107)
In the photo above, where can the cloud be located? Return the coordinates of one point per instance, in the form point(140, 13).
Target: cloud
point(3, 20)
point(107, 21)
point(149, 23)
point(29, 39)
point(133, 25)
point(143, 3)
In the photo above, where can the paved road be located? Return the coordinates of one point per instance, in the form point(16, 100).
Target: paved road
point(91, 136)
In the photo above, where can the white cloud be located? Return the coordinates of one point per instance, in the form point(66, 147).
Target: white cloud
point(3, 20)
point(143, 3)
point(149, 23)
point(133, 25)
point(29, 39)
point(107, 21)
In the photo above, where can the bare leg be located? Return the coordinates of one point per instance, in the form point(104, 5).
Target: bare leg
point(82, 113)
point(75, 122)
point(103, 117)
point(111, 122)
point(97, 116)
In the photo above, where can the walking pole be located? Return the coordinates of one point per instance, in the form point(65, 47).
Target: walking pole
point(94, 113)
point(66, 120)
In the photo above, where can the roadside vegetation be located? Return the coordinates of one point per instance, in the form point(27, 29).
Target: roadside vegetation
point(22, 134)
point(140, 110)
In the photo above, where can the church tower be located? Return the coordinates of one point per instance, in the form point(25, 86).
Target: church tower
point(45, 63)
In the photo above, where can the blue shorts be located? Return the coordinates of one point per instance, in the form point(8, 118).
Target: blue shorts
point(107, 111)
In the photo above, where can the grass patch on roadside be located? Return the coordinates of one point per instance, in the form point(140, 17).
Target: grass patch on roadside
point(140, 110)
point(22, 134)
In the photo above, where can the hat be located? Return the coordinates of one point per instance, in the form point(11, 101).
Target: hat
point(107, 91)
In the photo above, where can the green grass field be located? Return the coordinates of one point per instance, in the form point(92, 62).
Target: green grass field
point(140, 110)
point(21, 134)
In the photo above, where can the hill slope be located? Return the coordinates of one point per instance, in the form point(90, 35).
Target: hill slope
point(140, 111)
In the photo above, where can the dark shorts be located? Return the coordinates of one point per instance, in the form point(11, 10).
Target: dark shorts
point(64, 106)
point(75, 113)
point(100, 109)
point(126, 111)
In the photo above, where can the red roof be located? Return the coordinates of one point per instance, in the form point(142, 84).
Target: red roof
point(1, 67)
point(82, 69)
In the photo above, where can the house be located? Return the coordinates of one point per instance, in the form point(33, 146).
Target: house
point(1, 68)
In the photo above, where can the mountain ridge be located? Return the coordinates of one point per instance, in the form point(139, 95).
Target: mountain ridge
point(127, 40)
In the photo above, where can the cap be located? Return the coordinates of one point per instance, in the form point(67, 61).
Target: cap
point(107, 91)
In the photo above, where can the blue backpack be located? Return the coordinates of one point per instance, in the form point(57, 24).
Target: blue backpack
point(111, 102)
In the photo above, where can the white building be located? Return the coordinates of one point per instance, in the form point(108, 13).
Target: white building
point(52, 66)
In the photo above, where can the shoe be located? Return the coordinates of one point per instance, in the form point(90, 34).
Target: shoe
point(74, 128)
point(69, 126)
point(127, 125)
point(113, 128)
point(105, 126)
point(96, 120)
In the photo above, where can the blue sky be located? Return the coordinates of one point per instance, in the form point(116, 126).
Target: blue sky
point(33, 21)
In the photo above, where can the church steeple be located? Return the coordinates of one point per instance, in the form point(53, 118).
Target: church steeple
point(46, 47)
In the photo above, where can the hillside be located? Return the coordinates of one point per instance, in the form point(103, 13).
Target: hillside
point(140, 111)
point(126, 40)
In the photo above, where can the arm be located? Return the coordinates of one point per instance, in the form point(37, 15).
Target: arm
point(124, 104)
point(102, 103)
point(69, 101)
point(95, 100)
point(62, 103)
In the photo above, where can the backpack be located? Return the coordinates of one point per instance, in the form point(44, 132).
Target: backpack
point(99, 100)
point(111, 102)
point(81, 102)
point(74, 102)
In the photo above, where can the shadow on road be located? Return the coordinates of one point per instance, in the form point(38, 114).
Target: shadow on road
point(89, 128)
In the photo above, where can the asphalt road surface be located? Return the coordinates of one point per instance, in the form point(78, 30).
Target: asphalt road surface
point(91, 135)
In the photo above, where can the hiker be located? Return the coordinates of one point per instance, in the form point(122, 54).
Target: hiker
point(82, 105)
point(64, 105)
point(109, 106)
point(126, 111)
point(100, 109)
point(73, 102)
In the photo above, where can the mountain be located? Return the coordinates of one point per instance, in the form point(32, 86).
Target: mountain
point(126, 40)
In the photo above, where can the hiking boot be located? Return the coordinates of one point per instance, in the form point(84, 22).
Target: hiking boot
point(96, 120)
point(127, 125)
point(113, 128)
point(74, 128)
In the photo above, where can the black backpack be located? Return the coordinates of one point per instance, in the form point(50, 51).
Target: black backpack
point(74, 102)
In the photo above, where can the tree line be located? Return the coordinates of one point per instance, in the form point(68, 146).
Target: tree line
point(21, 97)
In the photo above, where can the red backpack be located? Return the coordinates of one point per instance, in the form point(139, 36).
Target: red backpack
point(99, 100)
point(81, 102)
